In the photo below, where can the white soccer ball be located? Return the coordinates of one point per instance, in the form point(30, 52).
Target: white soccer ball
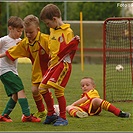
point(56, 108)
point(119, 68)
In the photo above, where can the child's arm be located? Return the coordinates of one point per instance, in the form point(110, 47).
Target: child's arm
point(2, 55)
point(80, 101)
point(77, 38)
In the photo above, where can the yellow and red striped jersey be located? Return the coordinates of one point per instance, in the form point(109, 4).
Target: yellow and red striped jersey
point(37, 52)
point(62, 34)
point(91, 94)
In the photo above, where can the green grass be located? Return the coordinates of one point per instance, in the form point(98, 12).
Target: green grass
point(106, 121)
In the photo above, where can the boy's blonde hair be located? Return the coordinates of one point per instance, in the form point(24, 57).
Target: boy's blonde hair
point(15, 22)
point(92, 80)
point(31, 19)
point(50, 11)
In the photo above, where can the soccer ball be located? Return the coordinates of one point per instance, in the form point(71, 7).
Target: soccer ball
point(119, 68)
point(56, 108)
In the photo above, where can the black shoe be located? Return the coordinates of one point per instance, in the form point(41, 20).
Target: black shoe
point(50, 119)
point(124, 114)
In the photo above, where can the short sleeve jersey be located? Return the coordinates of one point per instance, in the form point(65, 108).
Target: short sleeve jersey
point(91, 94)
point(5, 63)
point(61, 34)
point(37, 52)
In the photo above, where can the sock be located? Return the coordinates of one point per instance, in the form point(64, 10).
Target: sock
point(39, 102)
point(109, 107)
point(24, 106)
point(9, 107)
point(72, 112)
point(62, 106)
point(49, 102)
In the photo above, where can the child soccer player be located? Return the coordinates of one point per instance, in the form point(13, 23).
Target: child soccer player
point(9, 75)
point(35, 47)
point(59, 69)
point(90, 102)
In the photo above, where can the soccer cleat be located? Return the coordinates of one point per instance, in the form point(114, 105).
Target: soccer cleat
point(5, 118)
point(50, 119)
point(40, 114)
point(81, 114)
point(60, 122)
point(30, 118)
point(124, 114)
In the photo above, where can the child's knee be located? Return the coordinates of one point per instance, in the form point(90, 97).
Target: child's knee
point(68, 108)
point(96, 102)
point(35, 90)
point(15, 97)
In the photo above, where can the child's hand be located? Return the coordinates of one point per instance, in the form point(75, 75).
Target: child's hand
point(77, 38)
point(2, 55)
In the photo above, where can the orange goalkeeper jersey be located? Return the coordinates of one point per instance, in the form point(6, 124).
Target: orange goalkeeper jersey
point(37, 52)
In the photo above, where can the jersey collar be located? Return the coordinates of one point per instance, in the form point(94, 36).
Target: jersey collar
point(36, 39)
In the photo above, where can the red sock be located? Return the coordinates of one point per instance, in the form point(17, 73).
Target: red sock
point(62, 106)
point(72, 112)
point(109, 107)
point(49, 102)
point(114, 110)
point(39, 102)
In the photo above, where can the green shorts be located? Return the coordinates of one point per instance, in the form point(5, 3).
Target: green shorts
point(12, 83)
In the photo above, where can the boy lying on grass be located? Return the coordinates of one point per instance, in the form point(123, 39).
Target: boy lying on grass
point(90, 102)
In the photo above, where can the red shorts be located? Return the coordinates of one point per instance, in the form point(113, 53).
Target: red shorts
point(88, 108)
point(57, 77)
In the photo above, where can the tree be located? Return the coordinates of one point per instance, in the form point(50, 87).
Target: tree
point(3, 19)
point(94, 10)
point(91, 11)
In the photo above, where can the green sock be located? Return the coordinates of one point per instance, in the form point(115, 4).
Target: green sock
point(24, 106)
point(9, 107)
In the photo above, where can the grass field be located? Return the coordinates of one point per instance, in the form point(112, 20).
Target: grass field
point(106, 121)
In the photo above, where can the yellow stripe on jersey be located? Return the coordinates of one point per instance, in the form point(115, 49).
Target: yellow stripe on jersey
point(63, 73)
point(35, 52)
point(91, 94)
point(55, 41)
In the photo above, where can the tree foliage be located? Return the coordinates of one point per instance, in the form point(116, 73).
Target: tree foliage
point(90, 10)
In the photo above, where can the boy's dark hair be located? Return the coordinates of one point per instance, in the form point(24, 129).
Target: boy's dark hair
point(50, 11)
point(15, 22)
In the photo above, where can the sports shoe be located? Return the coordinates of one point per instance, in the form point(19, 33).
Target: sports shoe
point(30, 118)
point(40, 114)
point(50, 119)
point(80, 114)
point(124, 114)
point(60, 122)
point(5, 118)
